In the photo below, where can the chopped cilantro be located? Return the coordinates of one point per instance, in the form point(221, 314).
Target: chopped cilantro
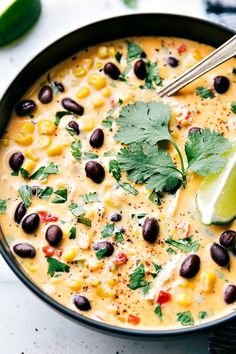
point(155, 197)
point(76, 149)
point(15, 173)
point(44, 193)
point(233, 107)
point(114, 169)
point(109, 153)
point(3, 206)
point(139, 215)
point(107, 122)
point(72, 233)
point(146, 288)
point(134, 51)
point(118, 56)
point(158, 312)
point(90, 156)
point(171, 251)
point(91, 197)
point(202, 314)
point(157, 269)
point(101, 253)
point(59, 115)
point(122, 76)
point(128, 188)
point(119, 236)
point(71, 131)
point(108, 230)
point(137, 278)
point(185, 318)
point(24, 173)
point(26, 194)
point(152, 79)
point(186, 244)
point(61, 196)
point(43, 172)
point(76, 209)
point(205, 93)
point(55, 266)
point(83, 220)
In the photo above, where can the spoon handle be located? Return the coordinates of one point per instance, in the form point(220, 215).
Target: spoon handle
point(217, 57)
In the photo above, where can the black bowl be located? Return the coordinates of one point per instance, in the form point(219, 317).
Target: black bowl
point(107, 30)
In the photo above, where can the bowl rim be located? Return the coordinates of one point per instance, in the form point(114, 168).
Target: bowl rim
point(138, 334)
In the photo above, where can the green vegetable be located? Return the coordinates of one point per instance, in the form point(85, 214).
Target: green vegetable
point(70, 131)
point(155, 197)
point(119, 236)
point(43, 172)
point(108, 230)
point(76, 209)
point(205, 93)
point(55, 266)
point(44, 193)
point(118, 56)
point(202, 314)
point(137, 278)
point(91, 197)
point(233, 107)
point(83, 220)
point(131, 3)
point(101, 253)
point(157, 269)
point(26, 194)
point(109, 153)
point(59, 115)
point(128, 188)
point(171, 251)
point(61, 196)
point(24, 173)
point(134, 51)
point(152, 79)
point(139, 215)
point(146, 288)
point(90, 156)
point(76, 149)
point(186, 244)
point(185, 318)
point(72, 233)
point(234, 71)
point(15, 173)
point(107, 122)
point(3, 206)
point(158, 312)
point(114, 169)
point(122, 76)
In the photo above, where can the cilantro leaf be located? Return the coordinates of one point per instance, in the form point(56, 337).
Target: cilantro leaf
point(114, 169)
point(83, 220)
point(72, 233)
point(75, 149)
point(171, 251)
point(185, 318)
point(3, 206)
point(26, 194)
point(91, 197)
point(59, 115)
point(155, 197)
point(158, 312)
point(202, 315)
point(134, 50)
point(204, 152)
point(118, 57)
point(101, 253)
point(143, 122)
point(61, 196)
point(122, 76)
point(233, 107)
point(24, 173)
point(145, 163)
point(128, 188)
point(157, 269)
point(146, 288)
point(205, 93)
point(56, 266)
point(44, 193)
point(90, 156)
point(137, 278)
point(119, 236)
point(107, 122)
point(43, 172)
point(186, 244)
point(108, 230)
point(152, 79)
point(76, 209)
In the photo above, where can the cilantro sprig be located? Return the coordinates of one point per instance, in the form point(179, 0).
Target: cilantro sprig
point(55, 266)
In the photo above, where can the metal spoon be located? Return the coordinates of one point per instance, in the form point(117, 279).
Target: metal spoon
point(217, 57)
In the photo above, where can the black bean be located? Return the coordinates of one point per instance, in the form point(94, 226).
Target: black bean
point(16, 160)
point(19, 212)
point(116, 217)
point(190, 266)
point(140, 69)
point(82, 303)
point(173, 62)
point(30, 223)
point(228, 238)
point(234, 249)
point(75, 126)
point(230, 294)
point(104, 244)
point(24, 250)
point(97, 138)
point(54, 235)
point(25, 108)
point(45, 94)
point(143, 55)
point(72, 106)
point(150, 230)
point(195, 130)
point(221, 84)
point(219, 254)
point(59, 86)
point(112, 70)
point(95, 171)
point(34, 189)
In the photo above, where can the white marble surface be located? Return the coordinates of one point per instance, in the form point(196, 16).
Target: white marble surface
point(27, 326)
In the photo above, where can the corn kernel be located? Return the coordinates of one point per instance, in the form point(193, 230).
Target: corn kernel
point(24, 139)
point(90, 214)
point(75, 284)
point(79, 72)
point(112, 200)
point(184, 299)
point(97, 81)
point(103, 52)
point(44, 141)
point(30, 154)
point(61, 185)
point(5, 142)
point(175, 134)
point(95, 265)
point(208, 281)
point(29, 166)
point(93, 281)
point(31, 267)
point(112, 51)
point(111, 282)
point(184, 123)
point(106, 92)
point(88, 124)
point(46, 127)
point(69, 255)
point(83, 92)
point(98, 102)
point(99, 65)
point(104, 291)
point(44, 181)
point(197, 55)
point(87, 63)
point(28, 128)
point(54, 150)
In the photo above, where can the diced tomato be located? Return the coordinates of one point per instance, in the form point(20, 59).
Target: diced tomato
point(163, 297)
point(46, 217)
point(48, 250)
point(133, 319)
point(120, 258)
point(182, 49)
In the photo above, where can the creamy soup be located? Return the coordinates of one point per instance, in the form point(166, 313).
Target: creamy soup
point(94, 202)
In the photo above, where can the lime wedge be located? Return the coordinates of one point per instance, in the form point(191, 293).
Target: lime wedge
point(16, 17)
point(216, 199)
